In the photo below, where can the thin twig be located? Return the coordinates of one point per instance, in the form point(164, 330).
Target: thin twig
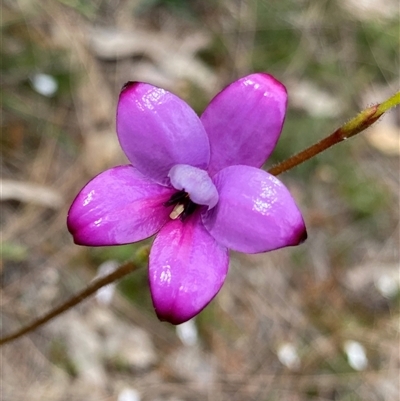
point(88, 291)
point(307, 154)
point(356, 125)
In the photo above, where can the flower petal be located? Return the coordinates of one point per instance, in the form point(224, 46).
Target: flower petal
point(157, 130)
point(244, 121)
point(255, 212)
point(187, 268)
point(119, 206)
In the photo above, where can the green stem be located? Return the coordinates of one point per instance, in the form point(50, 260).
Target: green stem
point(356, 125)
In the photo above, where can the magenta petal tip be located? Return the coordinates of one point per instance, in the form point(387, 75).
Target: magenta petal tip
point(255, 212)
point(244, 121)
point(187, 268)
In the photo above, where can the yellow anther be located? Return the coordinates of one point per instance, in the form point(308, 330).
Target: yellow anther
point(177, 211)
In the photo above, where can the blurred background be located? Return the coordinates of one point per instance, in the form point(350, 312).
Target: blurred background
point(315, 322)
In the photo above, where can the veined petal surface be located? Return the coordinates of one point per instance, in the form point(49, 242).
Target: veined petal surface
point(244, 121)
point(187, 268)
point(157, 130)
point(255, 212)
point(119, 206)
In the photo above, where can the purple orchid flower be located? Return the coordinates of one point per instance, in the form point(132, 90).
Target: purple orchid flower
point(196, 182)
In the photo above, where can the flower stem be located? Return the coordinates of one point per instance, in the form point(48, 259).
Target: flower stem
point(356, 125)
point(75, 300)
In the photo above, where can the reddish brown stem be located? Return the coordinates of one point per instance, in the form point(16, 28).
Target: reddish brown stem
point(348, 130)
point(88, 291)
point(307, 154)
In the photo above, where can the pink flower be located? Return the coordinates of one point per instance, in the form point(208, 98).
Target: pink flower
point(197, 183)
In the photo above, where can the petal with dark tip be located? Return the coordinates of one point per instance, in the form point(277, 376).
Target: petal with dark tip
point(255, 212)
point(244, 121)
point(119, 206)
point(157, 130)
point(187, 268)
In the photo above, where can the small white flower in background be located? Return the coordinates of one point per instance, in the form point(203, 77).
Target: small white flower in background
point(129, 394)
point(387, 286)
point(187, 332)
point(44, 84)
point(105, 294)
point(288, 356)
point(356, 355)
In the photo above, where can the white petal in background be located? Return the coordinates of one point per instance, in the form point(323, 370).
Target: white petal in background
point(288, 356)
point(129, 394)
point(105, 294)
point(382, 277)
point(187, 332)
point(388, 285)
point(356, 355)
point(44, 84)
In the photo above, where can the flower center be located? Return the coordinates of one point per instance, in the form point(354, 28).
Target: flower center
point(184, 207)
point(195, 188)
